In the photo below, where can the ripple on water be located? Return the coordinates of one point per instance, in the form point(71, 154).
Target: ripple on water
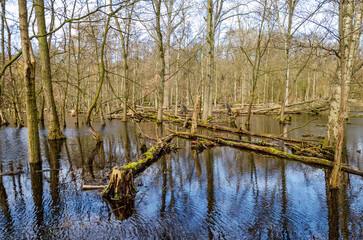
point(224, 193)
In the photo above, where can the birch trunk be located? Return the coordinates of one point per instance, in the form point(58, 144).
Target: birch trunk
point(350, 23)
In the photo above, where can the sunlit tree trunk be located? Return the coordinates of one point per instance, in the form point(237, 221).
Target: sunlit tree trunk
point(207, 108)
point(160, 95)
point(29, 79)
point(287, 34)
point(350, 23)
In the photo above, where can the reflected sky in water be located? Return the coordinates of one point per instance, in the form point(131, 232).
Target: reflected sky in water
point(220, 193)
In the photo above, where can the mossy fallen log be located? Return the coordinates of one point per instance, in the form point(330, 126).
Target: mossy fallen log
point(121, 184)
point(273, 152)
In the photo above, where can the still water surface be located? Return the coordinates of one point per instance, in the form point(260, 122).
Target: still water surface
point(220, 193)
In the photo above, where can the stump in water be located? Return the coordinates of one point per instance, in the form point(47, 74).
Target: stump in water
point(121, 185)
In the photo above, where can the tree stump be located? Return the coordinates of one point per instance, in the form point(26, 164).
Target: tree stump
point(121, 185)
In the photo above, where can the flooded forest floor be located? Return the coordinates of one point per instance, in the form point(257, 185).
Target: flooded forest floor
point(216, 193)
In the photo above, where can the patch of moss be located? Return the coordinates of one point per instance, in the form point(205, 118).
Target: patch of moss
point(148, 155)
point(151, 116)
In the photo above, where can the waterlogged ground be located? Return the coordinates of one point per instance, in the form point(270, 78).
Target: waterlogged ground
point(221, 193)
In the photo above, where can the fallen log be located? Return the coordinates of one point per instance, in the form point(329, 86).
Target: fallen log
point(93, 187)
point(121, 184)
point(273, 152)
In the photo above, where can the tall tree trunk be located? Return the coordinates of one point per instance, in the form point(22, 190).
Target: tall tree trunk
point(287, 34)
point(210, 65)
point(350, 23)
point(3, 120)
point(29, 79)
point(94, 133)
point(76, 109)
point(160, 95)
point(55, 132)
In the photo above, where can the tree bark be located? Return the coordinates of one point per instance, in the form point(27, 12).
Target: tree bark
point(195, 115)
point(29, 80)
point(160, 95)
point(350, 23)
point(55, 133)
point(210, 65)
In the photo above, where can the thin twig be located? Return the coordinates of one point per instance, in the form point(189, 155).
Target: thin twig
point(292, 129)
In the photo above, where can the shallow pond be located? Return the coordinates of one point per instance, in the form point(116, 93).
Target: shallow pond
point(220, 193)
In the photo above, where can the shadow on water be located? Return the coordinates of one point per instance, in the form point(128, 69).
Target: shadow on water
point(219, 193)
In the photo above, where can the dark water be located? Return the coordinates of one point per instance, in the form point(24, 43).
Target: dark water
point(221, 193)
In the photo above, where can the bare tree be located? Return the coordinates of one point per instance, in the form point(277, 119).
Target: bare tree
point(256, 56)
point(125, 42)
point(214, 11)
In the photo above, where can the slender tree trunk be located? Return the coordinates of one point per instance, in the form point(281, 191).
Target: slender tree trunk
point(29, 79)
point(95, 134)
point(125, 39)
point(207, 109)
point(55, 132)
point(76, 109)
point(3, 120)
point(160, 95)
